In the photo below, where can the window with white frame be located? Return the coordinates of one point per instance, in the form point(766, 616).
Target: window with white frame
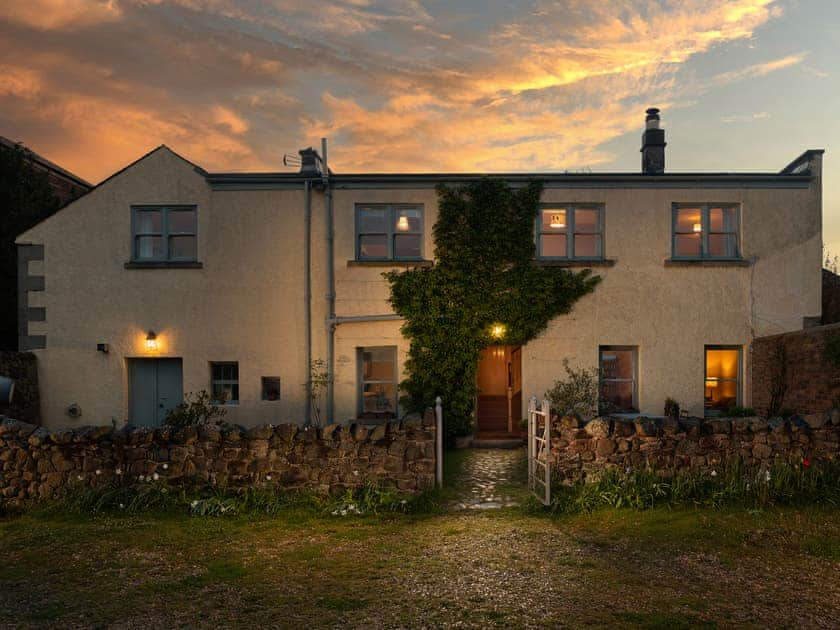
point(618, 379)
point(224, 383)
point(378, 382)
point(389, 232)
point(164, 233)
point(571, 231)
point(706, 230)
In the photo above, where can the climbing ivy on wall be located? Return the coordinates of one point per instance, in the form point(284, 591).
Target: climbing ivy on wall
point(485, 276)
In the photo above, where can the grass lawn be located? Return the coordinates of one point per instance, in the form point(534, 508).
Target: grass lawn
point(503, 568)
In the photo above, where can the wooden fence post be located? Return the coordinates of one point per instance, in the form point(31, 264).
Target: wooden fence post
point(438, 442)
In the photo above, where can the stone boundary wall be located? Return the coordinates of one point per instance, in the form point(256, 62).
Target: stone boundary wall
point(795, 361)
point(35, 463)
point(580, 450)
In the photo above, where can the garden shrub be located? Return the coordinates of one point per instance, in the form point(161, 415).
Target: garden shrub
point(485, 274)
point(197, 410)
point(578, 393)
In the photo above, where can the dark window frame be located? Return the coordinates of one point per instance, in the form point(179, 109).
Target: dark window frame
point(635, 380)
point(705, 225)
point(391, 233)
point(571, 230)
point(362, 381)
point(233, 382)
point(165, 233)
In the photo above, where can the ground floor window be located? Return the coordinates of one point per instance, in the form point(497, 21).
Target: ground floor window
point(723, 379)
point(224, 383)
point(618, 380)
point(378, 382)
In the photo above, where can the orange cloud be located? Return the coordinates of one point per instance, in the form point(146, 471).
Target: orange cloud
point(394, 85)
point(52, 14)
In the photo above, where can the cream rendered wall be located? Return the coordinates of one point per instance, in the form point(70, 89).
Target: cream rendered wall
point(669, 313)
point(363, 291)
point(245, 305)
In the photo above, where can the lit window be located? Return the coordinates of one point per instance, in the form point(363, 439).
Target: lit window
point(705, 231)
point(164, 233)
point(378, 382)
point(723, 379)
point(618, 379)
point(224, 383)
point(389, 232)
point(570, 231)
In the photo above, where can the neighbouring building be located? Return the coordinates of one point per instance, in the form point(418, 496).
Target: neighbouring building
point(166, 279)
point(65, 185)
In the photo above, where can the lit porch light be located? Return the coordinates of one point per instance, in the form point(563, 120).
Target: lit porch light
point(151, 341)
point(402, 223)
point(497, 330)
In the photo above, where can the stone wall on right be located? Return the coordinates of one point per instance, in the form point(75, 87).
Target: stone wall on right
point(584, 450)
point(795, 372)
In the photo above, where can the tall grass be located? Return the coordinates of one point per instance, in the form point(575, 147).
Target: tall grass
point(734, 484)
point(268, 500)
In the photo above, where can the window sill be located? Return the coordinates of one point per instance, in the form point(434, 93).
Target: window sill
point(390, 263)
point(164, 264)
point(576, 263)
point(706, 262)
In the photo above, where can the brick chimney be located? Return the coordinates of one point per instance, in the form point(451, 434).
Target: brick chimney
point(653, 144)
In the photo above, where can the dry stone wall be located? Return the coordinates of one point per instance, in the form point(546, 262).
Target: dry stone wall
point(580, 450)
point(35, 463)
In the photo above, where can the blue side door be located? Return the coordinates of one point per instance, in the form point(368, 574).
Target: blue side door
point(155, 387)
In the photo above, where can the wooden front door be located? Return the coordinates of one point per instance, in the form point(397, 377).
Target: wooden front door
point(499, 383)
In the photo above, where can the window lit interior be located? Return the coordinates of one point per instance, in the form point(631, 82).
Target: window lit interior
point(722, 378)
point(689, 232)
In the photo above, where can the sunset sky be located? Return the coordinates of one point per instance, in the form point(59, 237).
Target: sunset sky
point(405, 85)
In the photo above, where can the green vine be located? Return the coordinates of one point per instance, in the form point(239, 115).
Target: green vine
point(484, 289)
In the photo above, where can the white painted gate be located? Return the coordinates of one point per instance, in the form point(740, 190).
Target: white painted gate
point(539, 450)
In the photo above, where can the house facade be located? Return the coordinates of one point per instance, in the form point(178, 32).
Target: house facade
point(166, 279)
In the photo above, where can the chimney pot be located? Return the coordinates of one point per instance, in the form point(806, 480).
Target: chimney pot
point(309, 162)
point(653, 144)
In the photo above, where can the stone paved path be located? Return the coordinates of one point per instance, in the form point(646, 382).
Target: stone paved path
point(486, 479)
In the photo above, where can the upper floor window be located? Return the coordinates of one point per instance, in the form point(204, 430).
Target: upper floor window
point(389, 232)
point(574, 231)
point(164, 233)
point(708, 230)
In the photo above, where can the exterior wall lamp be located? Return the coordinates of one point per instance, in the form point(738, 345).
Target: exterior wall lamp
point(151, 341)
point(497, 331)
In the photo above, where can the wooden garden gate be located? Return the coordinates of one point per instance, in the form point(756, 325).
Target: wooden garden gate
point(539, 450)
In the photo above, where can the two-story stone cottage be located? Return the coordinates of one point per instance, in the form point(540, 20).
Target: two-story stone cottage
point(166, 279)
